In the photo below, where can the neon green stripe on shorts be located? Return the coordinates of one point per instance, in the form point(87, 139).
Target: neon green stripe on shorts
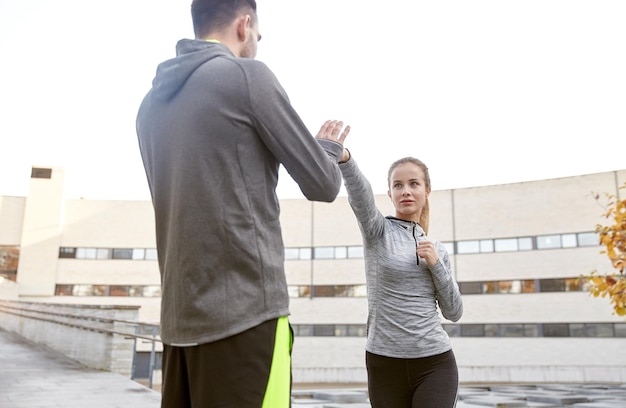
point(278, 392)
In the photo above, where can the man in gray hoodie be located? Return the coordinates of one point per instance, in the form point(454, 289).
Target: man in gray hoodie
point(213, 131)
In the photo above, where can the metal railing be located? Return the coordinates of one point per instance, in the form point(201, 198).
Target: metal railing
point(146, 332)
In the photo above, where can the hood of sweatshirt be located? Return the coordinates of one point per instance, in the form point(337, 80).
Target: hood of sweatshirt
point(172, 74)
point(404, 223)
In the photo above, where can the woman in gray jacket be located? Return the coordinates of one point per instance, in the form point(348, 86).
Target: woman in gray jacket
point(409, 357)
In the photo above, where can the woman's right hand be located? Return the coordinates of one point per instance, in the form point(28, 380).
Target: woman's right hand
point(330, 131)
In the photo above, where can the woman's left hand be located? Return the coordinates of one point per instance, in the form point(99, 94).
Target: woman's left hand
point(426, 250)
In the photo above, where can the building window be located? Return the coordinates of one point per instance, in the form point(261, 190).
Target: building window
point(302, 291)
point(528, 286)
point(599, 330)
point(151, 254)
point(119, 291)
point(551, 285)
point(513, 286)
point(341, 330)
point(324, 252)
point(341, 252)
point(86, 253)
point(305, 253)
point(41, 173)
point(152, 291)
point(103, 253)
point(89, 290)
point(555, 330)
point(139, 254)
point(342, 291)
point(486, 245)
point(64, 290)
point(471, 288)
point(324, 330)
point(324, 291)
point(489, 287)
point(620, 329)
point(9, 259)
point(511, 330)
point(357, 330)
point(573, 284)
point(491, 330)
point(548, 241)
point(506, 245)
point(569, 241)
point(65, 252)
point(468, 247)
point(358, 290)
point(303, 330)
point(525, 244)
point(355, 252)
point(531, 330)
point(472, 330)
point(588, 239)
point(122, 253)
point(559, 285)
point(350, 330)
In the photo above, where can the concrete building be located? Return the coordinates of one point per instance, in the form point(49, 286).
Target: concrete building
point(517, 250)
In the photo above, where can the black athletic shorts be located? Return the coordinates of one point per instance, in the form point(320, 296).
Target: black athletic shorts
point(249, 370)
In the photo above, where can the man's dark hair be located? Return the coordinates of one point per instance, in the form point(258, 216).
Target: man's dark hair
point(214, 15)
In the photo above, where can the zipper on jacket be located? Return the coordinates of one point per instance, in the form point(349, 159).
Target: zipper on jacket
point(414, 225)
point(416, 244)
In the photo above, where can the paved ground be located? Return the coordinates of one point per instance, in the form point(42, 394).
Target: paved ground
point(32, 376)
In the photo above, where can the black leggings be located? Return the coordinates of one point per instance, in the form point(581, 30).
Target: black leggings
point(429, 382)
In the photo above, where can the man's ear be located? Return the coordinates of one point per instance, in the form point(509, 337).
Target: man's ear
point(243, 25)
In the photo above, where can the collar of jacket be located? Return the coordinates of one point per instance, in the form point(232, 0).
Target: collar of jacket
point(403, 223)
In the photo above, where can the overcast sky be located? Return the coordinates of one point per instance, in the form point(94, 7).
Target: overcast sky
point(484, 92)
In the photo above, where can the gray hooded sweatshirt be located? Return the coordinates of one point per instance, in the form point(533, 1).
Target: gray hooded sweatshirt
point(213, 131)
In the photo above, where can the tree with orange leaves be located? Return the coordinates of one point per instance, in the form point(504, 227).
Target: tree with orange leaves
point(613, 237)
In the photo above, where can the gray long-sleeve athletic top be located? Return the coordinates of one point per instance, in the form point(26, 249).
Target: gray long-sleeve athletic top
point(403, 319)
point(212, 132)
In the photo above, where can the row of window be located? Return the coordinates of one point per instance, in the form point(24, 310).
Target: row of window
point(307, 291)
point(524, 286)
point(481, 330)
point(537, 330)
point(147, 254)
point(553, 241)
point(581, 239)
point(108, 290)
point(466, 288)
point(150, 254)
point(353, 252)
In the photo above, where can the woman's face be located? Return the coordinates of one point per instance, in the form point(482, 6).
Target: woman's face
point(408, 192)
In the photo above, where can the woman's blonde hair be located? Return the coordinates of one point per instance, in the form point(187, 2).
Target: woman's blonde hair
point(424, 216)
